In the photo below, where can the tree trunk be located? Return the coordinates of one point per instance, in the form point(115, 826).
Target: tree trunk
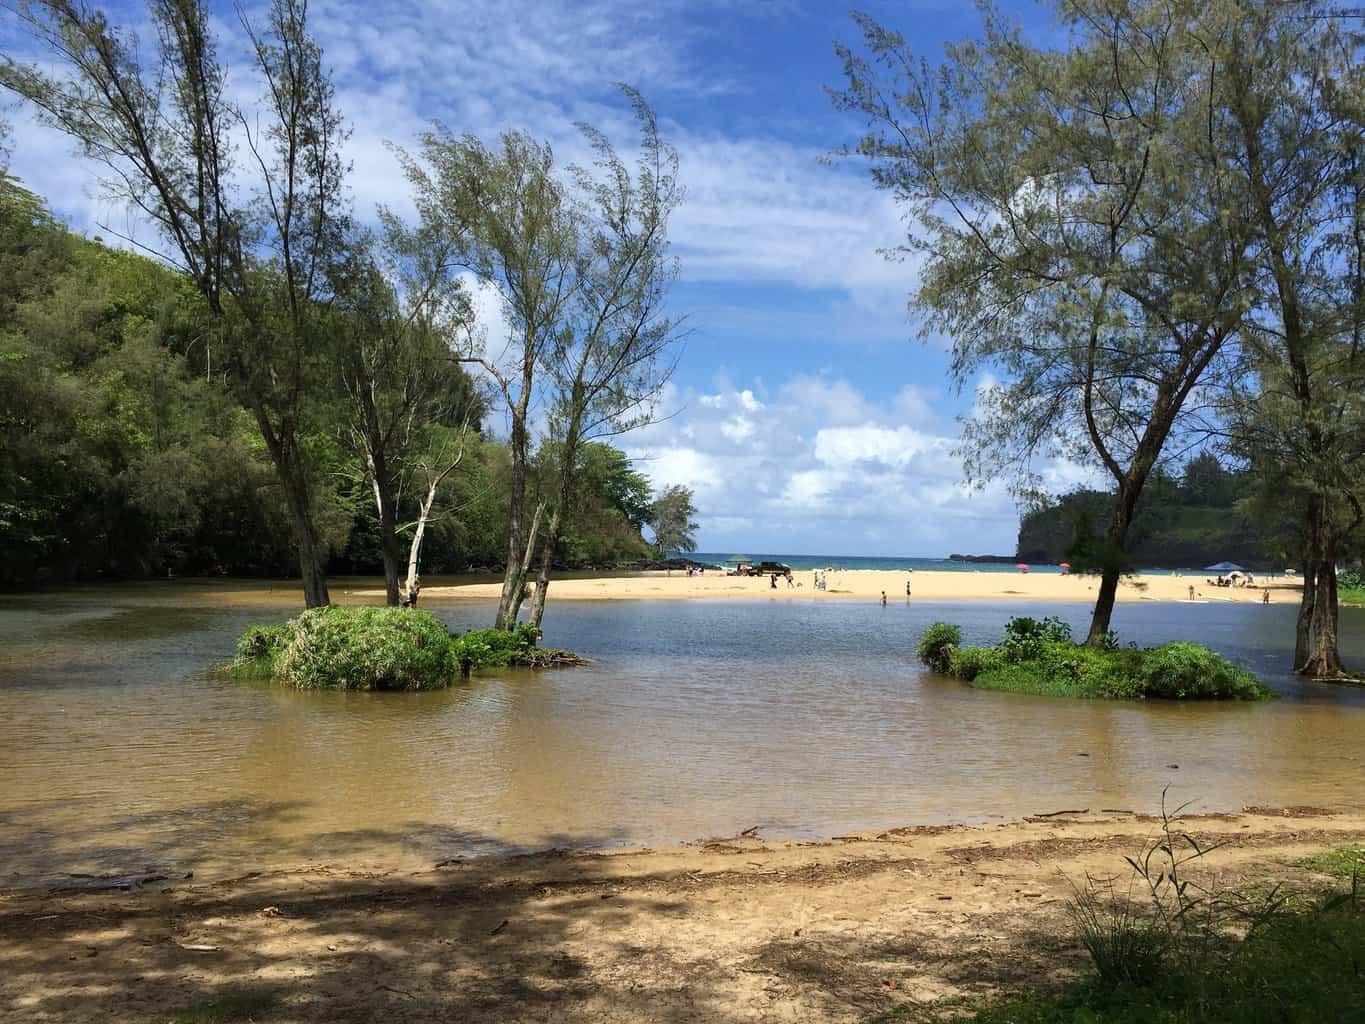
point(419, 534)
point(1316, 652)
point(389, 552)
point(512, 578)
point(392, 554)
point(547, 556)
point(1124, 504)
point(524, 567)
point(299, 497)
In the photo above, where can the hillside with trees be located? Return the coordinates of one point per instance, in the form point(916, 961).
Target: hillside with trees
point(127, 455)
point(1192, 520)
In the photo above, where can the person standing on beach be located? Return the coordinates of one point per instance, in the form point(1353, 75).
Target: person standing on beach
point(1265, 596)
point(883, 598)
point(907, 590)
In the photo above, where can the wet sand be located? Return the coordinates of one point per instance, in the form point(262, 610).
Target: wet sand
point(726, 930)
point(868, 584)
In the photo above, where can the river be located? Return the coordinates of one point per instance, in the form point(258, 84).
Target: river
point(121, 752)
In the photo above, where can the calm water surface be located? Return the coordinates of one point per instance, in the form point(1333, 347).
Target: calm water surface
point(120, 752)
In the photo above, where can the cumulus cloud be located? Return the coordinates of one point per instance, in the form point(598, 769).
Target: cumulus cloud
point(821, 467)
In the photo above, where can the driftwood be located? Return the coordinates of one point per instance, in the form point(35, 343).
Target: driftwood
point(1056, 814)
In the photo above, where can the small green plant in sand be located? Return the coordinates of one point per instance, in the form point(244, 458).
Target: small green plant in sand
point(1346, 861)
point(1037, 656)
point(1170, 946)
point(245, 1007)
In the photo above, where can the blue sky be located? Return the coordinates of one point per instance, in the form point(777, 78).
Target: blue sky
point(805, 413)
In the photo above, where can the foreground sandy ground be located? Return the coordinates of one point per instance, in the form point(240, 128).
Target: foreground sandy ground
point(867, 584)
point(729, 930)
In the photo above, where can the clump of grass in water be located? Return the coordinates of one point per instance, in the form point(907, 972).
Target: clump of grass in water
point(1038, 657)
point(382, 649)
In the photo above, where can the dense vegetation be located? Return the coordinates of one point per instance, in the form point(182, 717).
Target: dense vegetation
point(1190, 521)
point(125, 454)
point(1039, 657)
point(382, 648)
point(347, 339)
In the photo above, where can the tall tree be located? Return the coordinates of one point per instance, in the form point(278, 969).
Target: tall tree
point(509, 213)
point(613, 350)
point(1079, 232)
point(257, 238)
point(579, 260)
point(1296, 93)
point(672, 519)
point(400, 320)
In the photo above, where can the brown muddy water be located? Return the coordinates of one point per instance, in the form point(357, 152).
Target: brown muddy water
point(122, 753)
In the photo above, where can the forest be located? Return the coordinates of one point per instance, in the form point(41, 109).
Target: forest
point(127, 455)
point(1203, 514)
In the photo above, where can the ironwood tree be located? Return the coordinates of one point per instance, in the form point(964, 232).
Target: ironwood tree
point(247, 200)
point(1295, 93)
point(1078, 233)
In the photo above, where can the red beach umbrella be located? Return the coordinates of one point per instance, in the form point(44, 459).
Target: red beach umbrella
point(1022, 567)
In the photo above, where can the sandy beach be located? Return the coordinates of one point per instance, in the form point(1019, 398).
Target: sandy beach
point(737, 929)
point(867, 584)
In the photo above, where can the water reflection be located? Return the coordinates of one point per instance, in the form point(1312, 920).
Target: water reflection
point(120, 751)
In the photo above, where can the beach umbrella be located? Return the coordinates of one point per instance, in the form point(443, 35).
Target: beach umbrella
point(1022, 567)
point(1224, 567)
point(1065, 566)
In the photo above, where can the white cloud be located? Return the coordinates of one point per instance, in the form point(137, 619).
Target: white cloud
point(822, 468)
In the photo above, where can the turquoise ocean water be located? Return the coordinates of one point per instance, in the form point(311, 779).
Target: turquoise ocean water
point(882, 562)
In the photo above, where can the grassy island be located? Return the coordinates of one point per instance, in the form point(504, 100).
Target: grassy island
point(1039, 657)
point(386, 648)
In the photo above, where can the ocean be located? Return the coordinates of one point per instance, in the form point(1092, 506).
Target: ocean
point(880, 562)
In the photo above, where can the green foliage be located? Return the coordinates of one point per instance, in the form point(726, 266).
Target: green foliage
point(672, 519)
point(1170, 950)
point(495, 648)
point(936, 644)
point(1347, 861)
point(260, 642)
point(1025, 637)
point(1126, 944)
point(335, 648)
point(1191, 522)
point(1037, 657)
point(1184, 671)
point(967, 663)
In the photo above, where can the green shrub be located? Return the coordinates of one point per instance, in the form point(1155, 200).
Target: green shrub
point(495, 648)
point(367, 649)
point(1038, 657)
point(261, 642)
point(936, 646)
point(966, 663)
point(1024, 637)
point(1184, 670)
